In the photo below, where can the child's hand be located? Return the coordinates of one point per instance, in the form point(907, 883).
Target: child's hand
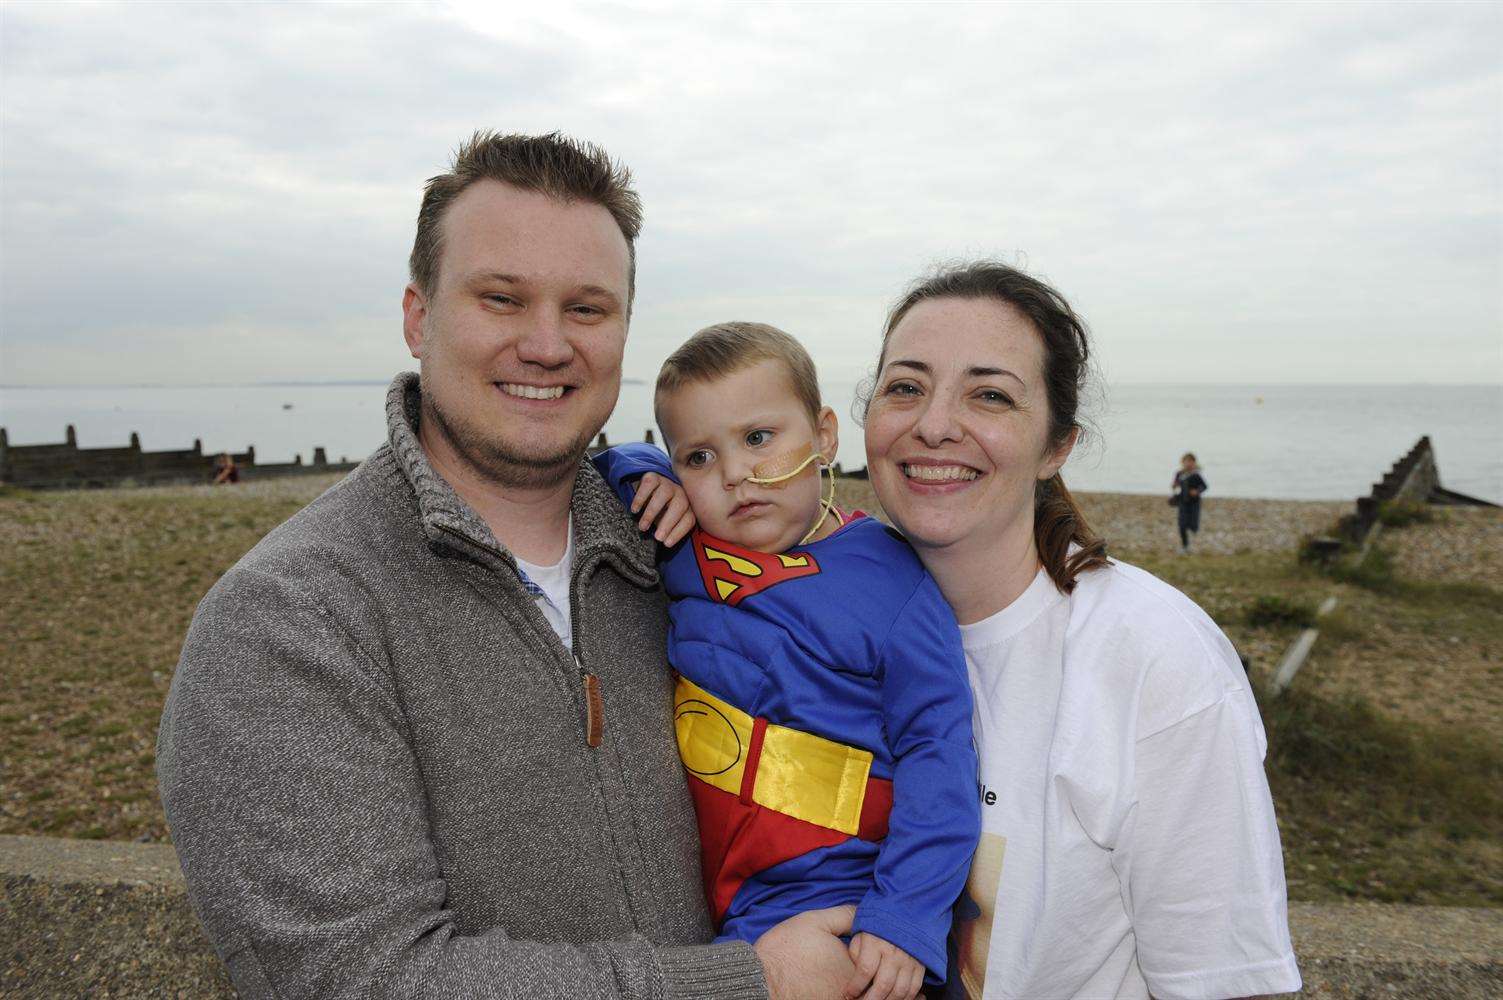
point(883, 970)
point(663, 502)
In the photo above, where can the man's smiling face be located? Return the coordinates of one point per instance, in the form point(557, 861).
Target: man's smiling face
point(521, 339)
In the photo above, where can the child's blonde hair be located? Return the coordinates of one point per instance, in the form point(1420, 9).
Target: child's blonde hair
point(725, 348)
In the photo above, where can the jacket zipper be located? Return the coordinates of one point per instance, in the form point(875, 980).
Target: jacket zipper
point(594, 724)
point(594, 702)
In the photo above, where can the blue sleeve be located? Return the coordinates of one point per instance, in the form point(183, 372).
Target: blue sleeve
point(936, 814)
point(624, 464)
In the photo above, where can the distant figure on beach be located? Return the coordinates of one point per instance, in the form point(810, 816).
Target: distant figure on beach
point(1189, 484)
point(225, 470)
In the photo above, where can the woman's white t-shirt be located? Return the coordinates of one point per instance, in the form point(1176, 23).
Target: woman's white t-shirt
point(1128, 841)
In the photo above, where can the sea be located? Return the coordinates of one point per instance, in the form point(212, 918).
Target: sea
point(1318, 442)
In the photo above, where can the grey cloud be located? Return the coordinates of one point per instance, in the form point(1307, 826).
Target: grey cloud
point(1211, 184)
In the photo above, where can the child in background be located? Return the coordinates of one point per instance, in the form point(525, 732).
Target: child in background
point(1188, 485)
point(823, 710)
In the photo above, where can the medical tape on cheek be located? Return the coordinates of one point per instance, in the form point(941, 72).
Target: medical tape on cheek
point(777, 471)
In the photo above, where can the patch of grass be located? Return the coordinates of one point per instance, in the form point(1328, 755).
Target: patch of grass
point(1270, 609)
point(1317, 550)
point(1371, 804)
point(1373, 571)
point(99, 588)
point(1372, 807)
point(1401, 514)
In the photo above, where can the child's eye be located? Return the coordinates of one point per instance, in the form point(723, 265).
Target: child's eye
point(758, 438)
point(697, 459)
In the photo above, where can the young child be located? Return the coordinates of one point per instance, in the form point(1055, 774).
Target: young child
point(822, 710)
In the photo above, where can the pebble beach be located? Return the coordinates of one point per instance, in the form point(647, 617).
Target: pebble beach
point(1145, 523)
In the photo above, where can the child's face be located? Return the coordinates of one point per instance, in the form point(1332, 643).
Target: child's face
point(718, 431)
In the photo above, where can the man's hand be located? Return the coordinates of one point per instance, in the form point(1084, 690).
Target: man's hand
point(883, 971)
point(803, 957)
point(663, 502)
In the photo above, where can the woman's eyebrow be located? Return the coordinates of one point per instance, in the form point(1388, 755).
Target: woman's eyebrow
point(975, 371)
point(980, 371)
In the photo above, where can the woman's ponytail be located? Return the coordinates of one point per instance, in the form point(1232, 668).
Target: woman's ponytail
point(1058, 523)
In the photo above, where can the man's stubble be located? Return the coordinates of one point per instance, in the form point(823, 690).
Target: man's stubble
point(500, 462)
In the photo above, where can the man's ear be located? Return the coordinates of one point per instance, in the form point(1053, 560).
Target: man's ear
point(1055, 458)
point(827, 434)
point(414, 314)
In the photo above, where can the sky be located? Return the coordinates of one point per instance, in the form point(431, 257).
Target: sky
point(1231, 193)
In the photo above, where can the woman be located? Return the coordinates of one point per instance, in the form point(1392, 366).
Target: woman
point(1129, 843)
point(1187, 487)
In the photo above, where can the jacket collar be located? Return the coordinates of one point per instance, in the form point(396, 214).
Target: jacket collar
point(602, 528)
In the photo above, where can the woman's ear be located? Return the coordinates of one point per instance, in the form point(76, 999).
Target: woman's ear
point(1054, 459)
point(827, 434)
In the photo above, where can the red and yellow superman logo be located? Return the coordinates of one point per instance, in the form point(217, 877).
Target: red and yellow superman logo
point(731, 574)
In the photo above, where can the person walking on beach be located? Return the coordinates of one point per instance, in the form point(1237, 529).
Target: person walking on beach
point(225, 470)
point(420, 741)
point(1188, 485)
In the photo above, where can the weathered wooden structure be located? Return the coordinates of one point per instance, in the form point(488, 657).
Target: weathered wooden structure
point(67, 466)
point(1414, 478)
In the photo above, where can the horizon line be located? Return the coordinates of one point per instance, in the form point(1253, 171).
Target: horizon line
point(632, 380)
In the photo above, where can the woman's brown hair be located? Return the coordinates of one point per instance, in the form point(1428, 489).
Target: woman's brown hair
point(1058, 521)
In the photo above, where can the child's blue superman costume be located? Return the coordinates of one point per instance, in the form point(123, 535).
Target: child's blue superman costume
point(824, 716)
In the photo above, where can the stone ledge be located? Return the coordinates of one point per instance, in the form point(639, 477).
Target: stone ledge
point(1390, 950)
point(100, 919)
point(108, 919)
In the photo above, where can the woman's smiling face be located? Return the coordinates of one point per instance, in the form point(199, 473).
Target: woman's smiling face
point(958, 426)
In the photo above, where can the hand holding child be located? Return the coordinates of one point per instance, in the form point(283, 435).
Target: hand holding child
point(883, 970)
point(664, 503)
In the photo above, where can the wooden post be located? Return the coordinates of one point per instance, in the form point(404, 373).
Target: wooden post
point(1300, 651)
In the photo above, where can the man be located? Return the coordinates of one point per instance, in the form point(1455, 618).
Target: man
point(419, 742)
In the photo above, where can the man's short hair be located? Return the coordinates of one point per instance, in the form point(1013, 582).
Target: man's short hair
point(554, 164)
point(726, 348)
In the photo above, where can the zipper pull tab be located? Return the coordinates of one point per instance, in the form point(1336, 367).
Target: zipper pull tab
point(594, 711)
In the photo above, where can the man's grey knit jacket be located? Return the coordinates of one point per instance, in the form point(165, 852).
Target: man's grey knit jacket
point(375, 765)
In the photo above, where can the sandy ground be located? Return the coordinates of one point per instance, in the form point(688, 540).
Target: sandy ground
point(1145, 523)
point(1432, 651)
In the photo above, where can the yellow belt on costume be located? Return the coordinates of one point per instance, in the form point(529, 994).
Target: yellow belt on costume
point(798, 774)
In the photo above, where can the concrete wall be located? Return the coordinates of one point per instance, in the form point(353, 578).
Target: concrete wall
point(103, 919)
point(98, 918)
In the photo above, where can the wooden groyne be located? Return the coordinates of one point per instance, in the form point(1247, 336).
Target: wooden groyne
point(1413, 479)
point(67, 466)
